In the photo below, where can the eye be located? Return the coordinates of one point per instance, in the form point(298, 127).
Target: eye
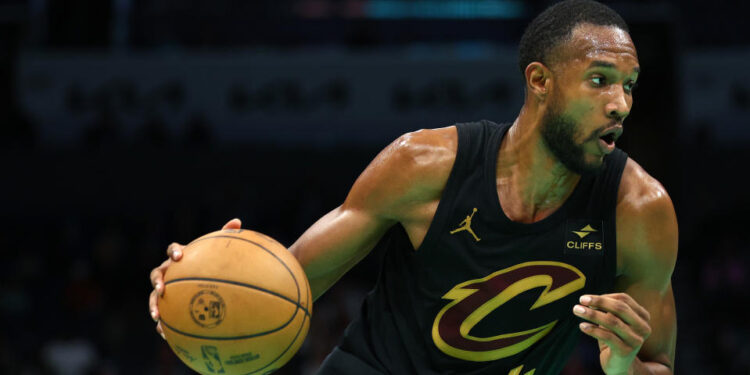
point(598, 81)
point(630, 86)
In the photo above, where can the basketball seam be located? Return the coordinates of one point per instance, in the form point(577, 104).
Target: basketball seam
point(296, 284)
point(284, 325)
point(304, 319)
point(296, 336)
point(271, 292)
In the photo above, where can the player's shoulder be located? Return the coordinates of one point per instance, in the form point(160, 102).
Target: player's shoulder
point(641, 194)
point(423, 142)
point(410, 171)
point(647, 233)
point(426, 154)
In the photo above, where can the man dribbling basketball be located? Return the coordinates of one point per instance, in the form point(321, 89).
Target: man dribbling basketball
point(575, 236)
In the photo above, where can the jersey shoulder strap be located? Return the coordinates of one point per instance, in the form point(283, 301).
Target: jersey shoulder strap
point(474, 139)
point(607, 184)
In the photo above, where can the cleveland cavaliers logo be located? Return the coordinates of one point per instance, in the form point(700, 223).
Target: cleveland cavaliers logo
point(473, 300)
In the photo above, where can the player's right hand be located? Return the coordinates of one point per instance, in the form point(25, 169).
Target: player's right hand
point(174, 254)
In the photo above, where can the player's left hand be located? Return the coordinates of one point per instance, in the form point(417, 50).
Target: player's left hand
point(620, 325)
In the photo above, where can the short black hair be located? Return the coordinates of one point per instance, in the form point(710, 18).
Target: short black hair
point(556, 24)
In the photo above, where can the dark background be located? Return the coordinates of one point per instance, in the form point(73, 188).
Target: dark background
point(95, 188)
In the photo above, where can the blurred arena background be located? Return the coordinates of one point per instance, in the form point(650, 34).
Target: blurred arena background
point(129, 124)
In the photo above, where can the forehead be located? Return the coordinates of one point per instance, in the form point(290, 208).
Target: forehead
point(589, 43)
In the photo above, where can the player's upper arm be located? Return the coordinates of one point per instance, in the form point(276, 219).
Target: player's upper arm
point(411, 170)
point(647, 247)
point(405, 176)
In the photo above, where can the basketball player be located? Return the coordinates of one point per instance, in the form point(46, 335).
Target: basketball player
point(505, 243)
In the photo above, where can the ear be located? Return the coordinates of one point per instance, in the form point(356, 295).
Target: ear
point(538, 80)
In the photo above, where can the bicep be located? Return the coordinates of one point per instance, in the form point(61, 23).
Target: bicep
point(341, 238)
point(399, 179)
point(648, 238)
point(335, 243)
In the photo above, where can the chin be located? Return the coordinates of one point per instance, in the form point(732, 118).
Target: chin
point(586, 165)
point(594, 166)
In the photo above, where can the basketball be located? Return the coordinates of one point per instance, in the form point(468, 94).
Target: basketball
point(236, 303)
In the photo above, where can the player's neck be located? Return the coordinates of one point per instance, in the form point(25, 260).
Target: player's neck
point(531, 182)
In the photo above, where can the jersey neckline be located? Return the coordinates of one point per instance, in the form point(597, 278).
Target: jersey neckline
point(490, 179)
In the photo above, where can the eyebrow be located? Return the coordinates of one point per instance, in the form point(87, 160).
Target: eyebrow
point(605, 64)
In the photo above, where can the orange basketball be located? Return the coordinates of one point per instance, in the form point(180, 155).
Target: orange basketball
point(236, 303)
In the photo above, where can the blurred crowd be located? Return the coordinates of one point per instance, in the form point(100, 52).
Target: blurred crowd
point(74, 296)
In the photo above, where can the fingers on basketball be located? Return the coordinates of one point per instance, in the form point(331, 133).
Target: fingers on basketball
point(233, 224)
point(174, 251)
point(152, 306)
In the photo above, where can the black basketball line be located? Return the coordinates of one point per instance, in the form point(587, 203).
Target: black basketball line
point(282, 326)
point(236, 337)
point(296, 284)
point(285, 349)
point(271, 292)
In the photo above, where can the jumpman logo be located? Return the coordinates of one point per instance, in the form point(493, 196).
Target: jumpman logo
point(466, 225)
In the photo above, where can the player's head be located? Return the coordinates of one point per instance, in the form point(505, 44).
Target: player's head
point(580, 67)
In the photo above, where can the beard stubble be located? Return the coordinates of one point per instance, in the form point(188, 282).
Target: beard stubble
point(559, 132)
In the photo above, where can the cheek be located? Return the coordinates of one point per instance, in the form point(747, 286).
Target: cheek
point(582, 112)
point(580, 109)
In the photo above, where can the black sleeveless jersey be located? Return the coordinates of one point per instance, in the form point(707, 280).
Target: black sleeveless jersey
point(484, 294)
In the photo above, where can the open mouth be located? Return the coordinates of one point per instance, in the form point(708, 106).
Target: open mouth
point(609, 139)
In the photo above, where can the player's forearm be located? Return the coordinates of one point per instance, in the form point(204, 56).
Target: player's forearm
point(319, 284)
point(649, 368)
point(323, 276)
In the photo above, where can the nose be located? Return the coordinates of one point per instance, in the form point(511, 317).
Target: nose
point(618, 106)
